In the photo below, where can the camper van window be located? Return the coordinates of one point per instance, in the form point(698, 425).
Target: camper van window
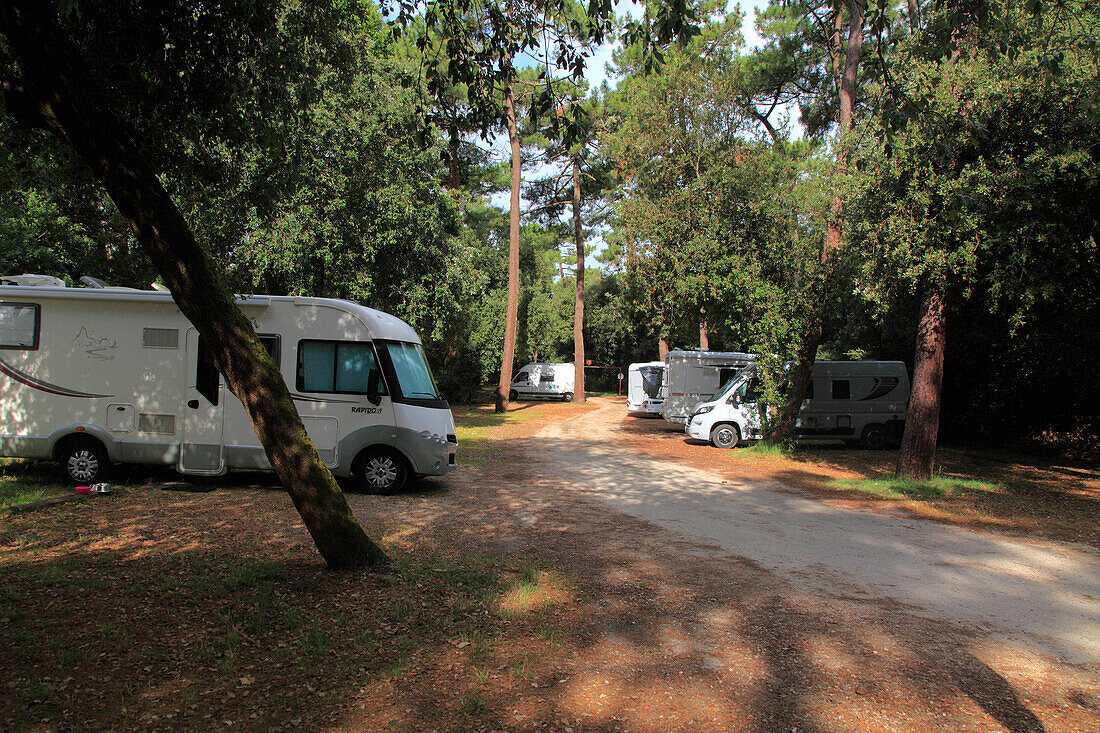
point(725, 374)
point(207, 379)
point(546, 378)
point(842, 389)
point(335, 366)
point(414, 378)
point(19, 326)
point(521, 378)
point(272, 345)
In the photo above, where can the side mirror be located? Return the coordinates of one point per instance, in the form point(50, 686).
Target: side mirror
point(374, 394)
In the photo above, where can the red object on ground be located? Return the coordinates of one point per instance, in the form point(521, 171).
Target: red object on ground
point(83, 489)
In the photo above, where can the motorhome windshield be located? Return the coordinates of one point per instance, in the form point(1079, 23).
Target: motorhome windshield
point(410, 370)
point(733, 383)
point(651, 380)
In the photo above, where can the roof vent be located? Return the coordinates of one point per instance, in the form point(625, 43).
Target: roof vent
point(40, 281)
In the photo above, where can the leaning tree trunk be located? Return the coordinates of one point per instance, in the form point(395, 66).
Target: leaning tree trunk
point(512, 315)
point(64, 98)
point(917, 456)
point(578, 303)
point(799, 378)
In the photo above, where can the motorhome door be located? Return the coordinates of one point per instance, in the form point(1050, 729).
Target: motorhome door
point(204, 404)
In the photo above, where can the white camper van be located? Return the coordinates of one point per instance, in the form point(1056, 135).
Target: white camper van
point(643, 392)
point(692, 377)
point(548, 381)
point(91, 377)
point(859, 402)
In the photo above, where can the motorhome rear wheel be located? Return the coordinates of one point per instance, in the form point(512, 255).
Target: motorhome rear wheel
point(567, 397)
point(725, 435)
point(84, 461)
point(381, 471)
point(874, 437)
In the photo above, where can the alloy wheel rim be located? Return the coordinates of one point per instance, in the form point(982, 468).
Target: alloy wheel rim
point(381, 472)
point(83, 465)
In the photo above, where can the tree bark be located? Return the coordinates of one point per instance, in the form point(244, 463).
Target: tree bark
point(704, 334)
point(512, 314)
point(578, 304)
point(662, 348)
point(802, 370)
point(917, 456)
point(56, 75)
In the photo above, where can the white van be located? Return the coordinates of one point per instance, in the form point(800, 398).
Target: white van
point(692, 377)
point(91, 377)
point(643, 391)
point(548, 381)
point(859, 402)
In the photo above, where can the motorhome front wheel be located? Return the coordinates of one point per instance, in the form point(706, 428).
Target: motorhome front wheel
point(724, 435)
point(381, 472)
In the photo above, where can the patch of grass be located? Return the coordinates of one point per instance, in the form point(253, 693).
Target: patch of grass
point(890, 487)
point(473, 704)
point(22, 482)
point(764, 448)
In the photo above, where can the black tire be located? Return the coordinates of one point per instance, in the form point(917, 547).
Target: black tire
point(873, 438)
point(513, 396)
point(381, 471)
point(84, 461)
point(567, 397)
point(725, 435)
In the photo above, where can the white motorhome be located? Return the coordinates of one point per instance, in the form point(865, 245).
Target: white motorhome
point(643, 391)
point(692, 377)
point(860, 402)
point(93, 377)
point(547, 381)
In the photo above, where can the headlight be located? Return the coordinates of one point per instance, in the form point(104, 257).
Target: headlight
point(702, 410)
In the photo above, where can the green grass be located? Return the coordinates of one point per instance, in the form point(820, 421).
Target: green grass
point(903, 488)
point(22, 482)
point(765, 448)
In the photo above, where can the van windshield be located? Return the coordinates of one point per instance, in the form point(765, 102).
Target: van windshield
point(414, 377)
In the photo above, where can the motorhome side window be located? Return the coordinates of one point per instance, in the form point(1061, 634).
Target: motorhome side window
point(546, 378)
point(337, 366)
point(19, 326)
point(521, 378)
point(207, 379)
point(842, 389)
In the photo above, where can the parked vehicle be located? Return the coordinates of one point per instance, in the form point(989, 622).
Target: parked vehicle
point(94, 377)
point(860, 402)
point(546, 381)
point(643, 392)
point(692, 377)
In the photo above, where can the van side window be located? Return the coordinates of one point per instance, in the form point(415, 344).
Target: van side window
point(809, 390)
point(546, 378)
point(342, 367)
point(842, 389)
point(725, 374)
point(272, 345)
point(19, 326)
point(521, 378)
point(207, 378)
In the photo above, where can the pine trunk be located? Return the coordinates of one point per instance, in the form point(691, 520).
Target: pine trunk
point(512, 315)
point(704, 334)
point(662, 348)
point(917, 457)
point(578, 305)
point(802, 371)
point(69, 103)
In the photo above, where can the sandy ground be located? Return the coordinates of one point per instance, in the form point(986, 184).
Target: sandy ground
point(1038, 596)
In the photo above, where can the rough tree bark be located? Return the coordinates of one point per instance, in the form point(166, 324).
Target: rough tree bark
point(704, 333)
point(662, 348)
point(512, 314)
point(62, 96)
point(802, 370)
point(578, 304)
point(917, 456)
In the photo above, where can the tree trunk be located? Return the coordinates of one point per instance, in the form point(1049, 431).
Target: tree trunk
point(578, 304)
point(512, 315)
point(68, 101)
point(917, 456)
point(704, 334)
point(802, 371)
point(662, 348)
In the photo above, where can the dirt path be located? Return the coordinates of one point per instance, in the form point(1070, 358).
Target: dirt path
point(1043, 596)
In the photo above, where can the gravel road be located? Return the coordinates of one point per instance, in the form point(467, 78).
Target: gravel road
point(1039, 596)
